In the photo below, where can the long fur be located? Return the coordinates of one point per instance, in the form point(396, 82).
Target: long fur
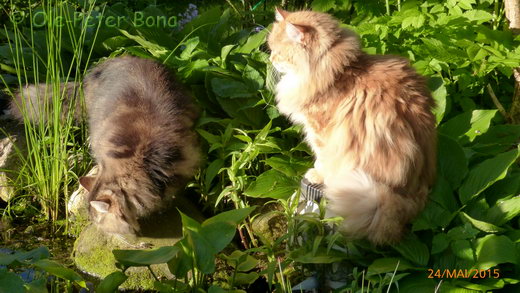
point(367, 118)
point(141, 136)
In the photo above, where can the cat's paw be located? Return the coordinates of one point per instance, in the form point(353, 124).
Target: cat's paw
point(314, 176)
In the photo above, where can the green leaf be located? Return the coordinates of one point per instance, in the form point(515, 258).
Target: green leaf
point(33, 255)
point(481, 225)
point(414, 250)
point(253, 78)
point(190, 45)
point(388, 265)
point(439, 93)
point(468, 124)
point(439, 243)
point(322, 5)
point(504, 211)
point(453, 164)
point(60, 271)
point(246, 278)
point(138, 258)
point(253, 42)
point(479, 16)
point(10, 282)
point(463, 250)
point(111, 282)
point(272, 184)
point(492, 250)
point(485, 174)
point(212, 171)
point(230, 88)
point(242, 261)
point(155, 49)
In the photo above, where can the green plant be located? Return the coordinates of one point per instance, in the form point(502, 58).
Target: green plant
point(36, 267)
point(56, 149)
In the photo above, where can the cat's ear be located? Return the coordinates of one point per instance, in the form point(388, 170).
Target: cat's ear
point(280, 14)
point(295, 33)
point(100, 206)
point(87, 182)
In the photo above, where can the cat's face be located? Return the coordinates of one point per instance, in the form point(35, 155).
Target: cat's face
point(108, 208)
point(287, 41)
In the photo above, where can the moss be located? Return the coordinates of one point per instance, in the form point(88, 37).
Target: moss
point(93, 255)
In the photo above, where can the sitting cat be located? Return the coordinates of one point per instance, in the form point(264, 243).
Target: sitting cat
point(140, 123)
point(367, 119)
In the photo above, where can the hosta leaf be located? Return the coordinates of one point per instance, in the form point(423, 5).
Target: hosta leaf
point(463, 250)
point(485, 174)
point(453, 164)
point(388, 265)
point(439, 243)
point(414, 250)
point(481, 225)
point(504, 211)
point(492, 250)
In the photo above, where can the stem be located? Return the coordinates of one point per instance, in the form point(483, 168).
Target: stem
point(497, 102)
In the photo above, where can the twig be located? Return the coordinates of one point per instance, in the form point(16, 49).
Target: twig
point(497, 102)
point(243, 238)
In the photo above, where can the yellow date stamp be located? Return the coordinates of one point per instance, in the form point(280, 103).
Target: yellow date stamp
point(463, 274)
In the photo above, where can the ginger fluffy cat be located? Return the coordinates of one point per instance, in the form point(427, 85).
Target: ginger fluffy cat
point(367, 119)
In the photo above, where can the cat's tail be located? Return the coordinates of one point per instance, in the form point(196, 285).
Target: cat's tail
point(371, 209)
point(35, 102)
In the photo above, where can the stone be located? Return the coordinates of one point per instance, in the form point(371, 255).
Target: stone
point(93, 248)
point(12, 137)
point(270, 224)
point(77, 207)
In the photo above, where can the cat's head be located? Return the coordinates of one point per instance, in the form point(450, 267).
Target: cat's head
point(300, 41)
point(108, 206)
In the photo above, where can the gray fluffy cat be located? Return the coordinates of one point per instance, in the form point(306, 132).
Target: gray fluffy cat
point(140, 123)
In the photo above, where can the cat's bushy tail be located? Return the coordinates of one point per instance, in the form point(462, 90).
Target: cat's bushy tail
point(34, 102)
point(371, 209)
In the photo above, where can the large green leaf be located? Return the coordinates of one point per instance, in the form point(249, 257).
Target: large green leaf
point(388, 265)
point(414, 250)
point(272, 184)
point(111, 282)
point(60, 271)
point(10, 282)
point(136, 258)
point(436, 84)
point(492, 250)
point(485, 174)
point(468, 124)
point(481, 225)
point(453, 164)
point(504, 211)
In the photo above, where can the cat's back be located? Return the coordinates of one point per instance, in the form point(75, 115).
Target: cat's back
point(135, 103)
point(390, 77)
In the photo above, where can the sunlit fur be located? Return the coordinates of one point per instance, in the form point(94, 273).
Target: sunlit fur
point(367, 118)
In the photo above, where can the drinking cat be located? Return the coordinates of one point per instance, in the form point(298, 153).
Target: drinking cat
point(366, 117)
point(140, 123)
